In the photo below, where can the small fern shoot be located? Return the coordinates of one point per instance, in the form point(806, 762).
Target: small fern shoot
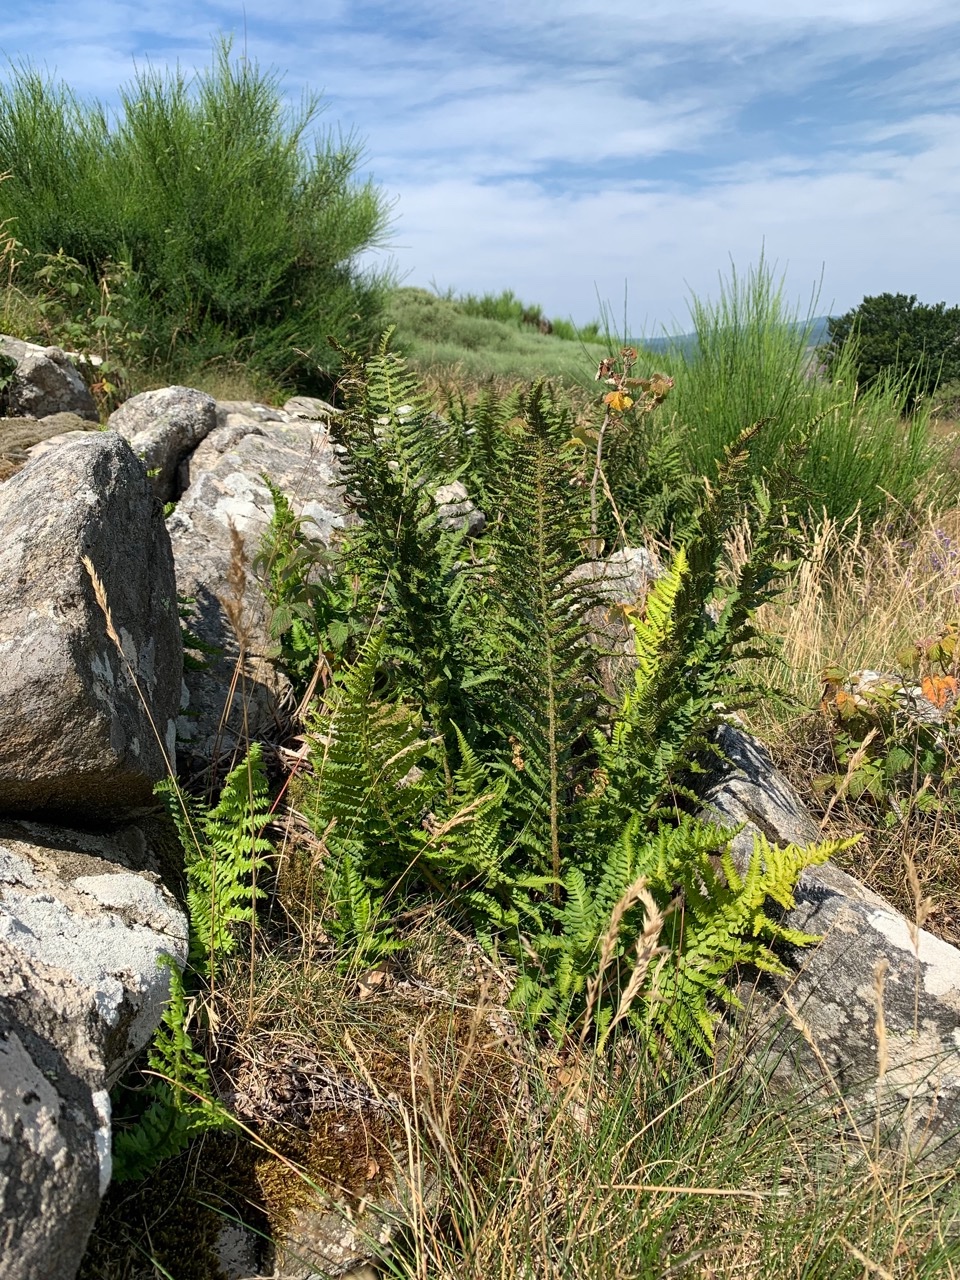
point(224, 850)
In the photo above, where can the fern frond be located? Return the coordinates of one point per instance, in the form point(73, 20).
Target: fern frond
point(224, 850)
point(182, 1099)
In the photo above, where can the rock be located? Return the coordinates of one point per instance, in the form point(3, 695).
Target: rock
point(624, 577)
point(912, 1082)
point(333, 1242)
point(163, 428)
point(330, 1239)
point(310, 407)
point(456, 511)
point(77, 732)
point(220, 521)
point(752, 790)
point(45, 382)
point(620, 580)
point(82, 926)
point(881, 695)
point(51, 443)
point(238, 1252)
point(250, 412)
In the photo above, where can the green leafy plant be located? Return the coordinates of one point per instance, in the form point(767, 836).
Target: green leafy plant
point(224, 851)
point(8, 367)
point(312, 602)
point(892, 737)
point(460, 758)
point(180, 1098)
point(93, 317)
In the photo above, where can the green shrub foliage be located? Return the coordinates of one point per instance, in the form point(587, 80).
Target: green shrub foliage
point(236, 228)
point(470, 757)
point(893, 333)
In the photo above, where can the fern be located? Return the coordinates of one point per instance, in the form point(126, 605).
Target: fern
point(395, 832)
point(721, 923)
point(650, 479)
point(487, 430)
point(181, 1106)
point(547, 696)
point(715, 920)
point(412, 569)
point(312, 603)
point(459, 759)
point(690, 642)
point(224, 849)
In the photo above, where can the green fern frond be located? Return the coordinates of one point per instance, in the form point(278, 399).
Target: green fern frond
point(182, 1099)
point(224, 850)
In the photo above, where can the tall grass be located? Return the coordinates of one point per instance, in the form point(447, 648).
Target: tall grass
point(237, 224)
point(438, 333)
point(753, 360)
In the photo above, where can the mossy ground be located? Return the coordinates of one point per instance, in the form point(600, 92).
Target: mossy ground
point(168, 1225)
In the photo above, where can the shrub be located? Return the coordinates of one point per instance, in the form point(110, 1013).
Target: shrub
point(892, 333)
point(236, 232)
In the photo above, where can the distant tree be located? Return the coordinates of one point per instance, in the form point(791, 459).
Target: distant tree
point(893, 333)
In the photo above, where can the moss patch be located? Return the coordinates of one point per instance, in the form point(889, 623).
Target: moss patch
point(169, 1223)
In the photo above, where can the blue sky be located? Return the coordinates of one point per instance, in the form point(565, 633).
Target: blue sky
point(567, 150)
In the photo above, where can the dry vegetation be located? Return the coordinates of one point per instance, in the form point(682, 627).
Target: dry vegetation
point(857, 597)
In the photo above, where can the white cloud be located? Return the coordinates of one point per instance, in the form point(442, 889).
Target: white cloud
point(878, 223)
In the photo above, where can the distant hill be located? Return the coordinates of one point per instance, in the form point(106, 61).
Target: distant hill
point(500, 336)
point(687, 342)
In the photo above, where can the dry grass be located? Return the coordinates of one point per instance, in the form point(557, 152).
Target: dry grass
point(857, 596)
point(500, 1155)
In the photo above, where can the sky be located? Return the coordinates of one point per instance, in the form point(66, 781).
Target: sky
point(630, 153)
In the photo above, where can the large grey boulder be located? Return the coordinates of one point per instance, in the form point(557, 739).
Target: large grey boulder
point(310, 407)
point(216, 532)
point(45, 381)
point(85, 731)
point(83, 924)
point(163, 428)
point(873, 968)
